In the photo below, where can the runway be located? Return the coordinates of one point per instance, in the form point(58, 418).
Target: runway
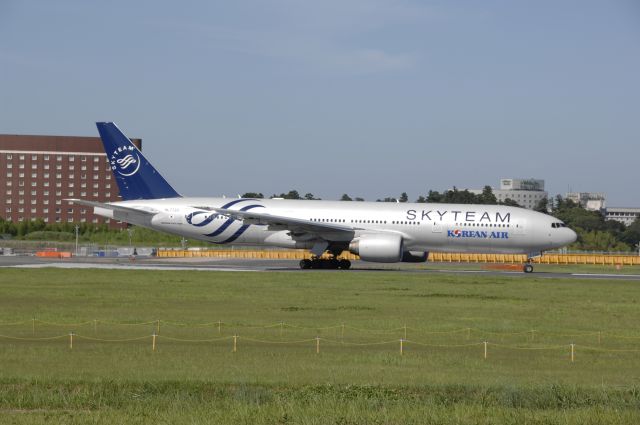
point(247, 265)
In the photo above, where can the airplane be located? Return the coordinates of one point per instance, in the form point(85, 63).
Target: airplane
point(375, 231)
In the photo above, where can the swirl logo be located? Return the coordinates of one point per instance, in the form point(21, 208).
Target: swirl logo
point(126, 161)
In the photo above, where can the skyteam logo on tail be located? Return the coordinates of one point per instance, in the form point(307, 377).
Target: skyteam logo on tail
point(125, 161)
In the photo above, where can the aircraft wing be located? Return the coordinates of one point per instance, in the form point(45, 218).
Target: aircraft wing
point(284, 222)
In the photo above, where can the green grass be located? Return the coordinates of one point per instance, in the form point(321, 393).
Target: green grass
point(349, 381)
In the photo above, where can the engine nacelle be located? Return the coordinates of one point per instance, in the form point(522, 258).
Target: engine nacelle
point(415, 256)
point(379, 248)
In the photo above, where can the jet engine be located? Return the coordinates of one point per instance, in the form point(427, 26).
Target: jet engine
point(414, 256)
point(379, 248)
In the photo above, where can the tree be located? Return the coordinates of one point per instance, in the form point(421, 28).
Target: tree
point(387, 200)
point(346, 197)
point(358, 199)
point(292, 194)
point(421, 199)
point(510, 202)
point(257, 195)
point(434, 196)
point(404, 197)
point(542, 206)
point(631, 235)
point(310, 197)
point(487, 197)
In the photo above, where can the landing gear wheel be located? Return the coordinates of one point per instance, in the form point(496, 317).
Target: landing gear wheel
point(344, 264)
point(528, 268)
point(305, 264)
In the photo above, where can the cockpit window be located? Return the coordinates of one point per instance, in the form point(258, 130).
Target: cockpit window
point(558, 225)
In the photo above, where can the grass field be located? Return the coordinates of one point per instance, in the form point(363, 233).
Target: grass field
point(276, 376)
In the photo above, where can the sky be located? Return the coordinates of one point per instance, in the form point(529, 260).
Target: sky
point(366, 97)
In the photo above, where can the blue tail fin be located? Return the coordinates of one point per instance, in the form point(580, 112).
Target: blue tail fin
point(136, 177)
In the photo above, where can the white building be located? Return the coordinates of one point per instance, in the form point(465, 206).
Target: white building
point(623, 215)
point(592, 201)
point(526, 192)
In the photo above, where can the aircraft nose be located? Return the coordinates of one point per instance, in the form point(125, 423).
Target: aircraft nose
point(571, 236)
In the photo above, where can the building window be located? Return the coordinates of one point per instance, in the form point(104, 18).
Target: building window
point(34, 201)
point(21, 166)
point(70, 193)
point(71, 167)
point(8, 209)
point(96, 177)
point(46, 175)
point(33, 211)
point(70, 220)
point(46, 219)
point(95, 220)
point(83, 184)
point(9, 156)
point(83, 168)
point(34, 175)
point(58, 157)
point(20, 210)
point(96, 168)
point(33, 193)
point(9, 165)
point(58, 210)
point(95, 194)
point(84, 159)
point(58, 184)
point(9, 183)
point(83, 220)
point(8, 201)
point(46, 166)
point(108, 185)
point(34, 157)
point(96, 158)
point(58, 167)
point(34, 184)
point(9, 174)
point(45, 210)
point(34, 166)
point(72, 158)
point(46, 202)
point(58, 176)
point(83, 194)
point(20, 175)
point(83, 177)
point(72, 176)
point(108, 194)
point(21, 201)
point(46, 184)
point(58, 193)
point(95, 185)
point(9, 192)
point(108, 176)
point(21, 183)
point(46, 157)
point(21, 192)
point(21, 157)
point(83, 211)
point(58, 220)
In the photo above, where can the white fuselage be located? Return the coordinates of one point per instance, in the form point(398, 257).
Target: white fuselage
point(423, 227)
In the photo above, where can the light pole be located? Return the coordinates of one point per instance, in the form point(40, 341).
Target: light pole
point(77, 232)
point(130, 232)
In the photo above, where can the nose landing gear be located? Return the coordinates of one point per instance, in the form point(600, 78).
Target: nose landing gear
point(320, 263)
point(528, 268)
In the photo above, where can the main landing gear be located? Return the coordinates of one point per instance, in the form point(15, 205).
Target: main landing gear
point(319, 263)
point(527, 268)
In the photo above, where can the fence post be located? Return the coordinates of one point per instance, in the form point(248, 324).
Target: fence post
point(532, 334)
point(599, 337)
point(401, 346)
point(342, 333)
point(33, 323)
point(153, 342)
point(70, 340)
point(468, 333)
point(317, 345)
point(485, 349)
point(95, 327)
point(219, 327)
point(281, 327)
point(235, 343)
point(405, 331)
point(158, 326)
point(572, 352)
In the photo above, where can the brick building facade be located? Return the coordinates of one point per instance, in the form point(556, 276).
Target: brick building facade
point(38, 172)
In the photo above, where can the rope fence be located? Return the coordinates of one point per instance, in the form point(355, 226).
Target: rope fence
point(239, 336)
